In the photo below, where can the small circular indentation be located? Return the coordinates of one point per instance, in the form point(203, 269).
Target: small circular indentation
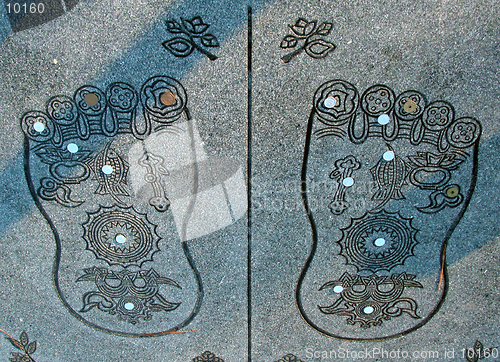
point(368, 310)
point(131, 306)
point(338, 289)
point(348, 181)
point(107, 169)
point(91, 99)
point(120, 238)
point(39, 127)
point(167, 98)
point(330, 102)
point(383, 119)
point(379, 242)
point(150, 178)
point(452, 191)
point(72, 147)
point(388, 155)
point(410, 106)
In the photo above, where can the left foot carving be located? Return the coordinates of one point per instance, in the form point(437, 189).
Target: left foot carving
point(98, 171)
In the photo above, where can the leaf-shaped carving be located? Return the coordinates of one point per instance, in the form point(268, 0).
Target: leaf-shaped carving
point(288, 41)
point(302, 27)
point(48, 156)
point(209, 40)
point(289, 358)
point(17, 357)
point(173, 26)
point(478, 346)
point(319, 48)
point(195, 25)
point(310, 27)
point(178, 46)
point(81, 155)
point(474, 357)
point(480, 352)
point(471, 354)
point(23, 338)
point(31, 348)
point(324, 29)
point(328, 285)
point(51, 154)
point(299, 24)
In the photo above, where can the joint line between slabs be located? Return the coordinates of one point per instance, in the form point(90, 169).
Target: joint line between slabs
point(249, 182)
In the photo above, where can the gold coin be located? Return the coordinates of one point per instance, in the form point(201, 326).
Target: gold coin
point(452, 191)
point(410, 106)
point(167, 98)
point(91, 99)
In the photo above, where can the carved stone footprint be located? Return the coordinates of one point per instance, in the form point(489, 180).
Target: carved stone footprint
point(385, 181)
point(99, 166)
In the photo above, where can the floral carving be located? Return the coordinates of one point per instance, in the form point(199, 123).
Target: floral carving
point(311, 34)
point(363, 301)
point(129, 295)
point(336, 102)
point(24, 345)
point(183, 46)
point(207, 356)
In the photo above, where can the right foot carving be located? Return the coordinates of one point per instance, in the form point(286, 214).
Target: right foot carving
point(385, 181)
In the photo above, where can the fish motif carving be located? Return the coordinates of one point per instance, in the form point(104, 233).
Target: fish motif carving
point(110, 171)
point(389, 177)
